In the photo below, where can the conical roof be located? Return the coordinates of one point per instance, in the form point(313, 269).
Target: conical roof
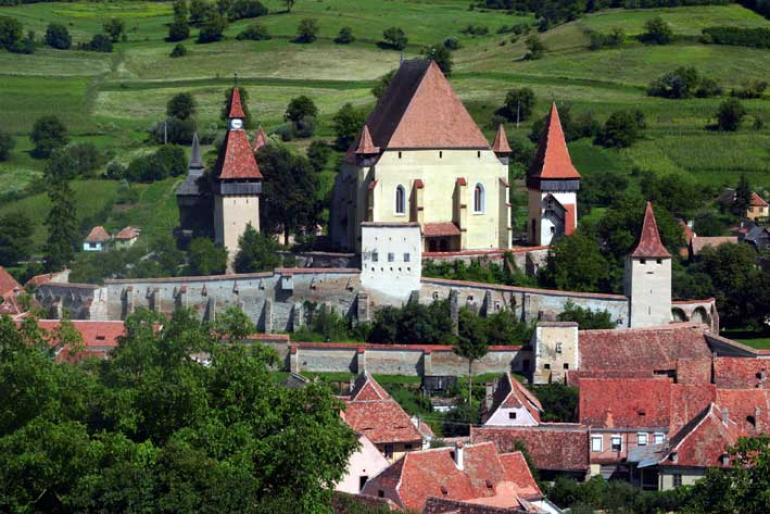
point(420, 109)
point(500, 144)
point(650, 245)
point(365, 144)
point(236, 160)
point(552, 160)
point(236, 109)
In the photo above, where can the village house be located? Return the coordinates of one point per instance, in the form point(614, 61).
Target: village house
point(97, 240)
point(365, 463)
point(509, 403)
point(127, 237)
point(455, 479)
point(758, 208)
point(10, 291)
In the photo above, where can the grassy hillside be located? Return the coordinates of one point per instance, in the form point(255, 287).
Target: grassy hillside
point(112, 99)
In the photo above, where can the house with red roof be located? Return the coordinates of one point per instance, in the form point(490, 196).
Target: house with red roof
point(456, 479)
point(511, 404)
point(370, 411)
point(97, 240)
point(10, 290)
point(758, 207)
point(421, 158)
point(366, 462)
point(552, 183)
point(127, 237)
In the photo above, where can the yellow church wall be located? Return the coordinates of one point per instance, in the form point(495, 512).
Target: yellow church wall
point(231, 216)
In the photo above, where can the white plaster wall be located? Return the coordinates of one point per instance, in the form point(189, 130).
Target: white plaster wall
point(396, 279)
point(648, 284)
point(501, 418)
point(537, 212)
point(366, 461)
point(231, 216)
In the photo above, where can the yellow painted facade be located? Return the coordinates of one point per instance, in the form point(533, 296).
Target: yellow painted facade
point(232, 214)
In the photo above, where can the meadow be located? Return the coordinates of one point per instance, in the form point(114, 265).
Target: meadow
point(111, 99)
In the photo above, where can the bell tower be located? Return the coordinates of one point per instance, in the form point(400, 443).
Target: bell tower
point(238, 182)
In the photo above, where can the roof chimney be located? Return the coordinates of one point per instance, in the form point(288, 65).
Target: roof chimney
point(459, 455)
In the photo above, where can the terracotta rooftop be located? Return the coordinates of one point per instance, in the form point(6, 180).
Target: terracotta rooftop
point(260, 139)
point(500, 144)
point(699, 243)
point(8, 284)
point(687, 401)
point(552, 160)
point(365, 145)
point(642, 349)
point(365, 388)
point(757, 201)
point(236, 109)
point(420, 110)
point(510, 393)
point(440, 229)
point(486, 478)
point(625, 402)
point(128, 233)
point(552, 446)
point(741, 372)
point(97, 235)
point(236, 161)
point(650, 245)
point(703, 441)
point(749, 408)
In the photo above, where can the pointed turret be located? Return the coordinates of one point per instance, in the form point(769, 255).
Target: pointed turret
point(236, 109)
point(260, 139)
point(552, 160)
point(196, 161)
point(500, 145)
point(365, 144)
point(650, 245)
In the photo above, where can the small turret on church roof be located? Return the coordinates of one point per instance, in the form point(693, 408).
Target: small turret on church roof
point(260, 139)
point(365, 144)
point(500, 145)
point(236, 109)
point(196, 161)
point(552, 160)
point(650, 245)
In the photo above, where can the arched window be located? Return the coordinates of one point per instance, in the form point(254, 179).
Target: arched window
point(478, 198)
point(400, 200)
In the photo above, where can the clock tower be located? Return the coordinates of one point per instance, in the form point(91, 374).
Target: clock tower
point(238, 182)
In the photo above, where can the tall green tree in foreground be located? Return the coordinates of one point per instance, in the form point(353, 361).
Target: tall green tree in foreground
point(471, 344)
point(62, 226)
point(256, 252)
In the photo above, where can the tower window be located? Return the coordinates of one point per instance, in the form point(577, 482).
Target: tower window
point(375, 256)
point(478, 199)
point(391, 257)
point(643, 261)
point(406, 257)
point(399, 155)
point(478, 154)
point(400, 200)
point(441, 155)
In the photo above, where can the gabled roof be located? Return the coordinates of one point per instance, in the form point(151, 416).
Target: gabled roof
point(365, 145)
point(236, 109)
point(236, 160)
point(510, 393)
point(382, 421)
point(128, 233)
point(500, 144)
point(8, 284)
point(757, 201)
point(650, 245)
point(741, 373)
point(260, 139)
point(625, 402)
point(703, 441)
point(97, 235)
point(552, 160)
point(365, 388)
point(420, 109)
point(699, 243)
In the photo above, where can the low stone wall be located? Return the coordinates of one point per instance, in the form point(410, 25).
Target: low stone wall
point(528, 259)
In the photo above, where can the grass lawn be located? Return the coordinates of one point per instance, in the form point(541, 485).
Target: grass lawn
point(762, 343)
point(111, 99)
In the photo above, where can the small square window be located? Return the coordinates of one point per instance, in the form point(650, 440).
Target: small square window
point(643, 261)
point(407, 257)
point(596, 443)
point(659, 261)
point(677, 479)
point(566, 365)
point(641, 439)
point(512, 415)
point(391, 257)
point(546, 366)
point(380, 493)
point(558, 347)
point(375, 257)
point(617, 443)
point(659, 438)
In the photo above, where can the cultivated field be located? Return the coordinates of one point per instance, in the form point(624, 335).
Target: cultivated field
point(111, 99)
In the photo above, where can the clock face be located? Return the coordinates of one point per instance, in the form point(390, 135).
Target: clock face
point(236, 123)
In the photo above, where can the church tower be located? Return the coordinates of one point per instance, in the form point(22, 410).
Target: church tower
point(647, 281)
point(194, 201)
point(553, 183)
point(238, 182)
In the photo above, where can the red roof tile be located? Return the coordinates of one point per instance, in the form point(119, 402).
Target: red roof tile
point(8, 284)
point(741, 373)
point(97, 235)
point(236, 109)
point(365, 144)
point(552, 160)
point(687, 401)
point(757, 201)
point(650, 245)
point(642, 349)
point(552, 446)
point(420, 110)
point(517, 471)
point(500, 144)
point(367, 389)
point(699, 243)
point(625, 402)
point(703, 441)
point(749, 408)
point(381, 421)
point(237, 161)
point(260, 139)
point(128, 233)
point(440, 229)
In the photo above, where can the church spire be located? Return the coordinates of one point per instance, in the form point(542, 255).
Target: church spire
point(500, 145)
point(650, 244)
point(365, 144)
point(196, 161)
point(552, 160)
point(236, 109)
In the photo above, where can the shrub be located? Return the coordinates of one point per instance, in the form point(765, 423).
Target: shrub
point(300, 107)
point(345, 36)
point(181, 106)
point(179, 50)
point(173, 130)
point(213, 28)
point(304, 127)
point(621, 129)
point(657, 32)
point(241, 9)
point(57, 36)
point(115, 171)
point(114, 28)
point(730, 115)
point(318, 154)
point(518, 104)
point(535, 47)
point(48, 133)
point(10, 33)
point(167, 161)
point(452, 43)
point(98, 43)
point(394, 38)
point(254, 32)
point(680, 83)
point(441, 56)
point(612, 40)
point(178, 30)
point(205, 258)
point(348, 121)
point(475, 30)
point(750, 89)
point(7, 143)
point(737, 36)
point(307, 31)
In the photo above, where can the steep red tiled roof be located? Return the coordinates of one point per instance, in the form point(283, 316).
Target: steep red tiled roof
point(237, 160)
point(260, 139)
point(625, 402)
point(366, 388)
point(510, 393)
point(486, 478)
point(687, 401)
point(8, 284)
point(699, 243)
point(642, 349)
point(552, 160)
point(128, 233)
point(741, 373)
point(440, 229)
point(99, 337)
point(650, 245)
point(381, 421)
point(365, 144)
point(236, 109)
point(500, 144)
point(703, 441)
point(757, 201)
point(420, 109)
point(97, 235)
point(552, 446)
point(749, 408)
